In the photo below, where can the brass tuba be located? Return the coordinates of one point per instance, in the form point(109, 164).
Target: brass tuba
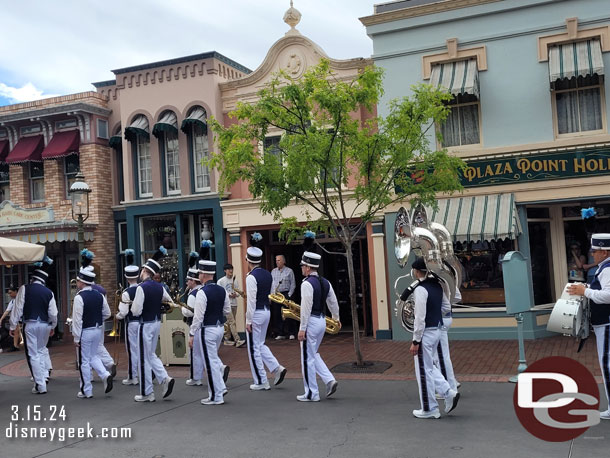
point(292, 310)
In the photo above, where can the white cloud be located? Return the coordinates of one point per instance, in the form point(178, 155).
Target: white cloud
point(25, 93)
point(70, 44)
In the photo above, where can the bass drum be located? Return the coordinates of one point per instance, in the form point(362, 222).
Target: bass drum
point(570, 316)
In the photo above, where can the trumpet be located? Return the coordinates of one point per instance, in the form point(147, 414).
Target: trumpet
point(292, 310)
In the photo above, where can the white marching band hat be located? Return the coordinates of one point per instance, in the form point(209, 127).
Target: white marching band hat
point(254, 255)
point(132, 271)
point(207, 267)
point(193, 274)
point(41, 275)
point(600, 242)
point(87, 276)
point(311, 259)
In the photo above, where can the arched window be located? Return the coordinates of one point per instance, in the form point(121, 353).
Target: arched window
point(139, 136)
point(166, 130)
point(195, 126)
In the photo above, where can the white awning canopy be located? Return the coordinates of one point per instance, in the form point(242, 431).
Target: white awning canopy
point(460, 77)
point(16, 252)
point(469, 219)
point(582, 58)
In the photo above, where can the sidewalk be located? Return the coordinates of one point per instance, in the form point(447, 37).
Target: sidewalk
point(473, 361)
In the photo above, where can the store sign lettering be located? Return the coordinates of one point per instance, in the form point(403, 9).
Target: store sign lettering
point(11, 215)
point(536, 168)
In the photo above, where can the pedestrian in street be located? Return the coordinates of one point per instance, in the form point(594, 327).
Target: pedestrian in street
point(13, 343)
point(284, 283)
point(211, 308)
point(89, 311)
point(258, 288)
point(193, 284)
point(430, 304)
point(132, 272)
point(35, 306)
point(146, 306)
point(231, 285)
point(316, 292)
point(598, 293)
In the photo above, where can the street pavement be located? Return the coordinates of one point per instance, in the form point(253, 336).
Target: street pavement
point(367, 417)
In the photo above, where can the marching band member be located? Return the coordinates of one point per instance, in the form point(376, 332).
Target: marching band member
point(132, 324)
point(35, 306)
point(443, 367)
point(89, 311)
point(211, 308)
point(430, 304)
point(86, 260)
point(258, 288)
point(146, 306)
point(193, 284)
point(598, 293)
point(315, 292)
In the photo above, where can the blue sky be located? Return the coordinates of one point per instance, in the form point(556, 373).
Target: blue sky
point(61, 47)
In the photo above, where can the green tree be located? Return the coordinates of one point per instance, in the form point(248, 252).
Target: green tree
point(344, 171)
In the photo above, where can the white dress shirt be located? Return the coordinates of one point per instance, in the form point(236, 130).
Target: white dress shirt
point(251, 289)
point(17, 311)
point(307, 302)
point(421, 297)
point(190, 301)
point(125, 303)
point(77, 313)
point(138, 301)
point(201, 304)
point(601, 296)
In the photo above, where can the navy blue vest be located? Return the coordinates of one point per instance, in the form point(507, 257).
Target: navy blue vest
point(434, 303)
point(36, 305)
point(216, 300)
point(600, 313)
point(93, 303)
point(321, 287)
point(153, 295)
point(131, 292)
point(263, 288)
point(99, 288)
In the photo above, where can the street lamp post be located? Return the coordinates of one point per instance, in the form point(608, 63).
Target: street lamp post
point(79, 194)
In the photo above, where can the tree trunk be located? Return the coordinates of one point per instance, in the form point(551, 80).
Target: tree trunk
point(352, 296)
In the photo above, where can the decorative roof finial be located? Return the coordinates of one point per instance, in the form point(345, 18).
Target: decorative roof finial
point(292, 17)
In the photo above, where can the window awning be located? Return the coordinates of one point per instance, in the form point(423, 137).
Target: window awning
point(582, 58)
point(116, 141)
point(469, 219)
point(139, 126)
point(167, 123)
point(461, 77)
point(27, 149)
point(4, 149)
point(62, 144)
point(197, 116)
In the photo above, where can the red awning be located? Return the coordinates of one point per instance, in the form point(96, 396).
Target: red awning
point(4, 149)
point(27, 149)
point(62, 144)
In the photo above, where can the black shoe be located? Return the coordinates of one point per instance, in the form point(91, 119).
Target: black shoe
point(12, 349)
point(225, 374)
point(113, 370)
point(108, 384)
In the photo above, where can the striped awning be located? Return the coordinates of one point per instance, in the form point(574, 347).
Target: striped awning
point(197, 116)
point(139, 126)
point(167, 123)
point(581, 58)
point(461, 77)
point(50, 237)
point(476, 218)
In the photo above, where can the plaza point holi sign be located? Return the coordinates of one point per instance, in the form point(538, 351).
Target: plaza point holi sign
point(539, 167)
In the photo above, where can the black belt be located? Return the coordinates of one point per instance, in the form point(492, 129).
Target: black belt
point(319, 315)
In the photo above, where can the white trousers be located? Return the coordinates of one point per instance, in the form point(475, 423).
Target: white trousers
point(259, 354)
point(210, 338)
point(103, 354)
point(602, 336)
point(36, 338)
point(311, 361)
point(424, 369)
point(442, 360)
point(148, 336)
point(88, 358)
point(47, 359)
point(131, 344)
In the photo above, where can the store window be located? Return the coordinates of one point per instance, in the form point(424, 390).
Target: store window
point(36, 182)
point(71, 168)
point(482, 282)
point(10, 275)
point(5, 193)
